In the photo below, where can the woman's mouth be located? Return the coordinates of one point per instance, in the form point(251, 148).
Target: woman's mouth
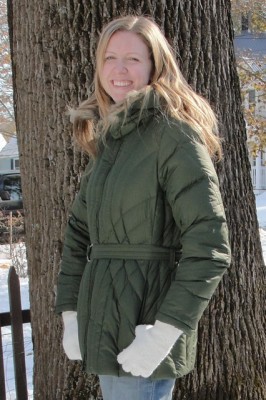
point(122, 83)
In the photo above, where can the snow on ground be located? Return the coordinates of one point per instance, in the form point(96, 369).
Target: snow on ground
point(261, 213)
point(5, 262)
point(261, 209)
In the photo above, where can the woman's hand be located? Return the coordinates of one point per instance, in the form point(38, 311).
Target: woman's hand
point(151, 345)
point(70, 336)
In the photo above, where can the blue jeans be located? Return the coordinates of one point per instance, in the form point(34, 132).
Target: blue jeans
point(135, 388)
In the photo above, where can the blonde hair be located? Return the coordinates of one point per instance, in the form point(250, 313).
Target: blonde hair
point(180, 101)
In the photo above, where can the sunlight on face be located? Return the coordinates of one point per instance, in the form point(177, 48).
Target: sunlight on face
point(127, 65)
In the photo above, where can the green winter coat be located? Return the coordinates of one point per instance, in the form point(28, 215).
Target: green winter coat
point(153, 190)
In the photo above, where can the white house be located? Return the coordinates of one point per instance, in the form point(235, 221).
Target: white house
point(3, 141)
point(9, 157)
point(251, 49)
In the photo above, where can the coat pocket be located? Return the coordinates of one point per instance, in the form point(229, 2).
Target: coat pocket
point(184, 353)
point(158, 281)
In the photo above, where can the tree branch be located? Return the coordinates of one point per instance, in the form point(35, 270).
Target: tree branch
point(8, 111)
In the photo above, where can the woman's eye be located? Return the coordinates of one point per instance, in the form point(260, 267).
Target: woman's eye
point(108, 58)
point(133, 59)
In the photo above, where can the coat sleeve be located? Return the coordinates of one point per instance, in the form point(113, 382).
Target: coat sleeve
point(189, 180)
point(74, 256)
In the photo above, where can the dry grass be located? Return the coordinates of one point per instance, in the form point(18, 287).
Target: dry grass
point(18, 231)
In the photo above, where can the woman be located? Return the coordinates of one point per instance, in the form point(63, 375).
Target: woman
point(146, 243)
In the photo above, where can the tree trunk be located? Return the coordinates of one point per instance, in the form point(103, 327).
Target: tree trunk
point(53, 44)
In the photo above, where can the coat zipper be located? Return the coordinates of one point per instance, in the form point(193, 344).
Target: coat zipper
point(91, 279)
point(118, 143)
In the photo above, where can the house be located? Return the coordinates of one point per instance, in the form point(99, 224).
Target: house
point(9, 157)
point(250, 49)
point(3, 141)
point(10, 180)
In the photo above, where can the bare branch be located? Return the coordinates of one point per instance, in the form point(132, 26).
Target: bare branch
point(7, 110)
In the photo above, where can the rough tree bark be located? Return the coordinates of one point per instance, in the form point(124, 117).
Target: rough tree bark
point(53, 44)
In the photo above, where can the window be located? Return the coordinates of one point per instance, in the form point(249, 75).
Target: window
point(252, 100)
point(14, 163)
point(12, 185)
point(251, 96)
point(246, 22)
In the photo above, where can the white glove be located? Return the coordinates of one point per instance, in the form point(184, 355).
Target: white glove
point(70, 336)
point(151, 345)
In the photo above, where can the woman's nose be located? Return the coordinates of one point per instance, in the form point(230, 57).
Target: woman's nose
point(121, 66)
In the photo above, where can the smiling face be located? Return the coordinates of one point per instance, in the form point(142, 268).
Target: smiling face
point(126, 66)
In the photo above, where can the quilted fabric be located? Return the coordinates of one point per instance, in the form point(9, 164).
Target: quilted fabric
point(153, 183)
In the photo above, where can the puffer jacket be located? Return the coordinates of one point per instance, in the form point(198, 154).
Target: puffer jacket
point(146, 239)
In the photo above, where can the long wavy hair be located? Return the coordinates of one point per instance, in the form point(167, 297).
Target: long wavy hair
point(180, 100)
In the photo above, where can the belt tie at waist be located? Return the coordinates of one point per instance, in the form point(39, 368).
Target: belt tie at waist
point(132, 252)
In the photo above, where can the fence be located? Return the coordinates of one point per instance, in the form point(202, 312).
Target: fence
point(15, 318)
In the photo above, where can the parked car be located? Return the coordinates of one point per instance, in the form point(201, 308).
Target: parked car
point(10, 192)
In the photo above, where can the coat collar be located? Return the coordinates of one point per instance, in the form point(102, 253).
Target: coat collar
point(128, 121)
